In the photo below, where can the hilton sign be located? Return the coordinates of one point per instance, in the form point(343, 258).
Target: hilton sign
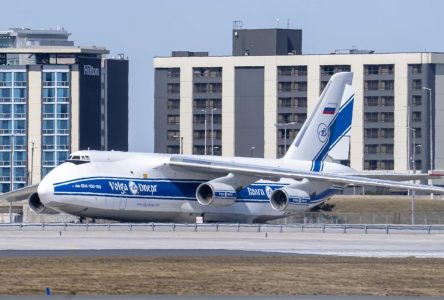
point(90, 70)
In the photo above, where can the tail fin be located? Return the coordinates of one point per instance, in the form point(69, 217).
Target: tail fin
point(329, 122)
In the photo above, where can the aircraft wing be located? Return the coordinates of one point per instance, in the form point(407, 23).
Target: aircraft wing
point(275, 173)
point(396, 176)
point(20, 194)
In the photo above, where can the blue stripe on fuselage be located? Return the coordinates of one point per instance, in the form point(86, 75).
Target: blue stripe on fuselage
point(163, 188)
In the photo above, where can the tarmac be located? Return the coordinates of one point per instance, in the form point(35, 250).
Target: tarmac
point(130, 243)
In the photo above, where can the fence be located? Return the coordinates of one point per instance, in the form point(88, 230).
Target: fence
point(225, 227)
point(362, 218)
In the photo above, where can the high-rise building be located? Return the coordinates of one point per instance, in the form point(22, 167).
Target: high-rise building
point(254, 103)
point(56, 98)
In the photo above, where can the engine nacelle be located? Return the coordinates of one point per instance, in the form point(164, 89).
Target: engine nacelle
point(215, 194)
point(38, 207)
point(288, 199)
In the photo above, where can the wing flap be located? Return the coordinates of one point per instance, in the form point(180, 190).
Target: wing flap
point(396, 176)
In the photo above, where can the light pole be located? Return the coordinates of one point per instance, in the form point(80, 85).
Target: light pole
point(285, 125)
point(252, 151)
point(11, 174)
point(413, 167)
point(32, 162)
point(212, 130)
point(430, 133)
point(205, 129)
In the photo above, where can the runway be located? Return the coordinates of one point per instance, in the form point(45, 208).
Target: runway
point(128, 243)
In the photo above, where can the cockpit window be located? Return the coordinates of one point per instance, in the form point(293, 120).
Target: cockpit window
point(78, 159)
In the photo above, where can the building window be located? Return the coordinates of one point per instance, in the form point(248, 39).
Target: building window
point(379, 164)
point(370, 164)
point(204, 103)
point(217, 150)
point(417, 101)
point(300, 86)
point(386, 85)
point(371, 101)
point(199, 150)
point(199, 134)
point(370, 149)
point(173, 104)
point(207, 88)
point(214, 88)
point(173, 149)
point(416, 69)
point(328, 70)
point(371, 117)
point(173, 119)
point(371, 133)
point(292, 71)
point(418, 165)
point(386, 117)
point(418, 148)
point(173, 88)
point(173, 73)
point(387, 101)
point(5, 79)
point(284, 102)
point(207, 72)
point(417, 84)
point(289, 117)
point(173, 135)
point(418, 133)
point(217, 119)
point(386, 164)
point(300, 102)
point(387, 133)
point(416, 116)
point(371, 69)
point(386, 148)
point(199, 119)
point(386, 69)
point(371, 85)
point(284, 87)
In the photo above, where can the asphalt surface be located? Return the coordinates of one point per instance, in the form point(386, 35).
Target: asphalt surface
point(127, 243)
point(139, 253)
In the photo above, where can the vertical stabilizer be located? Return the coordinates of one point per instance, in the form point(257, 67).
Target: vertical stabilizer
point(328, 123)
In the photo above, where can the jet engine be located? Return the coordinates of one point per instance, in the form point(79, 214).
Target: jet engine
point(215, 194)
point(288, 199)
point(38, 207)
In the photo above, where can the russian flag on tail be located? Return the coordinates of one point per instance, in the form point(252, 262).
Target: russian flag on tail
point(329, 110)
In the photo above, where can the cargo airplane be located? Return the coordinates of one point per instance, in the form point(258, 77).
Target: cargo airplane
point(148, 187)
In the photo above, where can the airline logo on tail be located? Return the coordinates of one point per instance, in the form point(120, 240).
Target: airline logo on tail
point(322, 132)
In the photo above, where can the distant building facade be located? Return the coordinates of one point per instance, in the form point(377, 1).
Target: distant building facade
point(56, 98)
point(254, 105)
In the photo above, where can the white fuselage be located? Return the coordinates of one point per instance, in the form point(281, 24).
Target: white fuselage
point(138, 187)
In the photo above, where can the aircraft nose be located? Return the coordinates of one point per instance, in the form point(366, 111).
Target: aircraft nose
point(45, 191)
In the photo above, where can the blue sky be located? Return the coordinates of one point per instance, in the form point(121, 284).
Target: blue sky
point(145, 29)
